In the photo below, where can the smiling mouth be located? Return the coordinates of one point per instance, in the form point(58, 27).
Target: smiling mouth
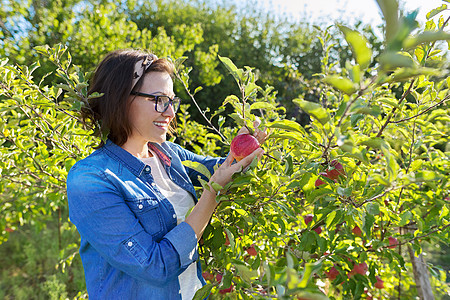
point(161, 125)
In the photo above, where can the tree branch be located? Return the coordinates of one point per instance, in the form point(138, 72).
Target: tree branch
point(423, 112)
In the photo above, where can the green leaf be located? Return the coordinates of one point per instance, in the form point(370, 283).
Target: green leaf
point(287, 125)
point(435, 11)
point(288, 135)
point(197, 167)
point(444, 212)
point(373, 111)
point(373, 208)
point(403, 74)
point(42, 49)
point(262, 105)
point(313, 109)
point(198, 89)
point(405, 218)
point(203, 292)
point(246, 273)
point(250, 89)
point(359, 45)
point(389, 101)
point(237, 74)
point(374, 142)
point(425, 38)
point(330, 218)
point(310, 269)
point(217, 187)
point(342, 84)
point(391, 60)
point(389, 8)
point(238, 119)
point(368, 223)
point(345, 192)
point(230, 237)
point(69, 163)
point(426, 176)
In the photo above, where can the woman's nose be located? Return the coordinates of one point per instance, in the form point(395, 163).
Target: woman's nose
point(169, 111)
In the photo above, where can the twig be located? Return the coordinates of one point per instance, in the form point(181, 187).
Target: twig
point(395, 109)
point(211, 126)
point(423, 112)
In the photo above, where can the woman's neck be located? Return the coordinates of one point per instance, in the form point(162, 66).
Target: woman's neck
point(138, 149)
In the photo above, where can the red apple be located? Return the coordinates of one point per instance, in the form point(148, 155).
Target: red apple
point(393, 242)
point(380, 283)
point(332, 273)
point(361, 268)
point(208, 276)
point(318, 229)
point(243, 145)
point(219, 277)
point(8, 229)
point(252, 251)
point(320, 181)
point(225, 291)
point(357, 231)
point(351, 273)
point(336, 171)
point(308, 218)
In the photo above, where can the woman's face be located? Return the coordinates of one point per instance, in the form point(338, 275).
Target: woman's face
point(147, 124)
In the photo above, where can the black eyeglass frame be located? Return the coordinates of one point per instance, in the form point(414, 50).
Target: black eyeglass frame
point(172, 101)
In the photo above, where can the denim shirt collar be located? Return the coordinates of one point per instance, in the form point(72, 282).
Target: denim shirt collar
point(135, 165)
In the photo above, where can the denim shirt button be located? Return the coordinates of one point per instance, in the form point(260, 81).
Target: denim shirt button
point(140, 206)
point(153, 184)
point(130, 244)
point(147, 169)
point(174, 216)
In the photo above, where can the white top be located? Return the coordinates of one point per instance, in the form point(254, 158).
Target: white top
point(181, 201)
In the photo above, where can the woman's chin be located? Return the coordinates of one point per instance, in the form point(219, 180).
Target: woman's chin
point(158, 140)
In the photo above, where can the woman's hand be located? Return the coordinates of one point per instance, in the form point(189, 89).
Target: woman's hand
point(259, 134)
point(222, 175)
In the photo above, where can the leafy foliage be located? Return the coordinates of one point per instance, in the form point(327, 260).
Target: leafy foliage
point(380, 112)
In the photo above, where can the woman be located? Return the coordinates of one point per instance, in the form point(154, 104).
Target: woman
point(129, 198)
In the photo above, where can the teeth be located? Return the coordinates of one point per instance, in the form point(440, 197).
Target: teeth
point(160, 124)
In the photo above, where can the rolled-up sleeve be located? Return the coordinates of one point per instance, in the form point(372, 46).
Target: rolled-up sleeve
point(104, 220)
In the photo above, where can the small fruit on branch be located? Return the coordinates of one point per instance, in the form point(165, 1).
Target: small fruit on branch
point(243, 145)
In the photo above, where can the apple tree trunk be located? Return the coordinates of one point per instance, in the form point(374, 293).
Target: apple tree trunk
point(421, 276)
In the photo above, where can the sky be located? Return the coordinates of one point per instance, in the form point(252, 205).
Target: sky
point(345, 10)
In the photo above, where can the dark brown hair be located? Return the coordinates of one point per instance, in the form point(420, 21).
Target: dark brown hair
point(113, 79)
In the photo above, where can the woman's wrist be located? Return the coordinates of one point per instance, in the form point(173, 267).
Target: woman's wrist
point(209, 195)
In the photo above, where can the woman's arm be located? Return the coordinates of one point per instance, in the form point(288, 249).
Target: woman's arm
point(203, 210)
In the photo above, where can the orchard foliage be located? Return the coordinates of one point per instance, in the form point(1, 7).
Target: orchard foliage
point(382, 115)
point(388, 126)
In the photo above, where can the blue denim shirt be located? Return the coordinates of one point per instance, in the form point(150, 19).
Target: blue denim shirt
point(131, 246)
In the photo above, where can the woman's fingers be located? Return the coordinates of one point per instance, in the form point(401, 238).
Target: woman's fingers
point(249, 158)
point(243, 130)
point(260, 135)
point(228, 160)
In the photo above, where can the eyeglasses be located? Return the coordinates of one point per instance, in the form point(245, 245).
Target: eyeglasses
point(161, 101)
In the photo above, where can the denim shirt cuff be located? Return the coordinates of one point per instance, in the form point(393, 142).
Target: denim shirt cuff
point(184, 240)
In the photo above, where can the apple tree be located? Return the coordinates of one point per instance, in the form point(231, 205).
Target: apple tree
point(335, 207)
